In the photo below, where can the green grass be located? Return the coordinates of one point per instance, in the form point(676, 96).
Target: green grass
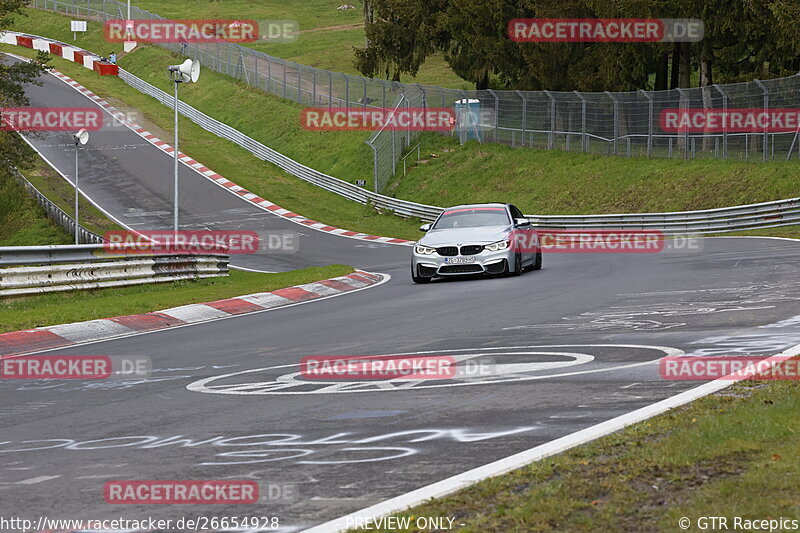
point(731, 454)
point(556, 182)
point(539, 181)
point(59, 308)
point(239, 165)
point(22, 221)
point(329, 47)
point(61, 193)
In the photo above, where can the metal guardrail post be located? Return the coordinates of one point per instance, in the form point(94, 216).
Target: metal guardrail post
point(616, 119)
point(583, 120)
point(552, 134)
point(649, 122)
point(524, 114)
point(765, 142)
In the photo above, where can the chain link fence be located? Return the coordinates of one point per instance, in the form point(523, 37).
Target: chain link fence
point(609, 123)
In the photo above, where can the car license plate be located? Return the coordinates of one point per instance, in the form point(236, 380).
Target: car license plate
point(459, 260)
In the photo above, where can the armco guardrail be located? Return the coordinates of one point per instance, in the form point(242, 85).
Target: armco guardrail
point(753, 216)
point(767, 214)
point(90, 266)
point(57, 215)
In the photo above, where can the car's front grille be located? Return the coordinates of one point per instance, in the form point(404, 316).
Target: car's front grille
point(447, 251)
point(460, 269)
point(471, 249)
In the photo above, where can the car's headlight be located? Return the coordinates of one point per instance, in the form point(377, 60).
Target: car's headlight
point(424, 250)
point(497, 246)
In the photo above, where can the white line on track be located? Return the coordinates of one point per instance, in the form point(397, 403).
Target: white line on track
point(519, 460)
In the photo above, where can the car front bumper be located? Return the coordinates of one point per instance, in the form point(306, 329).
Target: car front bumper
point(428, 266)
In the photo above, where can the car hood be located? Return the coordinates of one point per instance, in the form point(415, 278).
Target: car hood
point(481, 235)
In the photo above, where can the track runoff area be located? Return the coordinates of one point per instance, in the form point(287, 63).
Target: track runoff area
point(329, 414)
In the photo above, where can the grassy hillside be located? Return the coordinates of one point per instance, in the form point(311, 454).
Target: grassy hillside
point(327, 35)
point(546, 182)
point(22, 221)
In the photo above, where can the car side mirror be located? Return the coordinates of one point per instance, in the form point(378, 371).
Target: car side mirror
point(425, 227)
point(522, 222)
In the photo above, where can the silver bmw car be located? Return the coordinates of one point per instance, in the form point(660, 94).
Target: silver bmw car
point(476, 239)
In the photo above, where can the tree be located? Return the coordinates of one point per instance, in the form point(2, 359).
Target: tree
point(399, 37)
point(14, 151)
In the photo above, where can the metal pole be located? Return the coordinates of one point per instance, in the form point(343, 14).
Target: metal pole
point(77, 240)
point(583, 120)
point(496, 114)
point(616, 121)
point(551, 136)
point(524, 113)
point(765, 142)
point(649, 122)
point(724, 114)
point(175, 146)
point(685, 106)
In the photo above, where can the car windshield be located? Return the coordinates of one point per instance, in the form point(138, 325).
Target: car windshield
point(472, 217)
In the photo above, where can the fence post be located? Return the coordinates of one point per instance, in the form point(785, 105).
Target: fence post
point(649, 122)
point(374, 167)
point(284, 78)
point(314, 87)
point(299, 83)
point(550, 140)
point(346, 90)
point(725, 114)
point(765, 142)
point(616, 119)
point(496, 114)
point(424, 95)
point(364, 98)
point(330, 90)
point(524, 114)
point(583, 120)
point(408, 130)
point(685, 106)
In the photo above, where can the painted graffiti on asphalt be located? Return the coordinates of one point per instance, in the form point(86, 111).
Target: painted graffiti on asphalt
point(334, 449)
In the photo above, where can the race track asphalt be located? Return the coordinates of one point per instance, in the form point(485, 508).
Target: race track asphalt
point(228, 386)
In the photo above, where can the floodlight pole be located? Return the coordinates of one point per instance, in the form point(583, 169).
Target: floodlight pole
point(76, 191)
point(177, 79)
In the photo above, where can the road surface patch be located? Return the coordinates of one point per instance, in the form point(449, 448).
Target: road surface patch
point(63, 335)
